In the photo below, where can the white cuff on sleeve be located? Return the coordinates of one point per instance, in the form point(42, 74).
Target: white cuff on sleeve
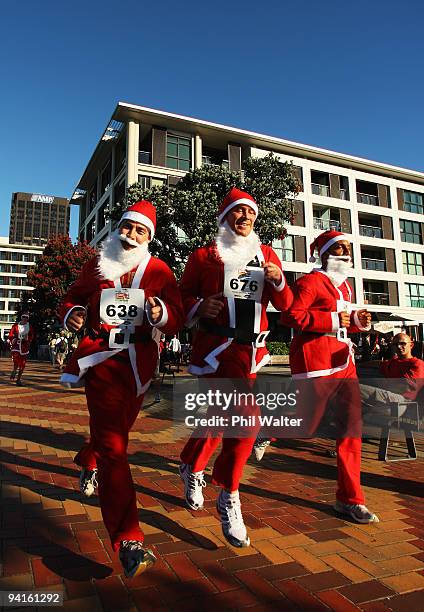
point(358, 323)
point(191, 317)
point(70, 311)
point(164, 318)
point(281, 284)
point(335, 321)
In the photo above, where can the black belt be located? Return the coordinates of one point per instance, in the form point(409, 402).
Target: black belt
point(240, 336)
point(120, 338)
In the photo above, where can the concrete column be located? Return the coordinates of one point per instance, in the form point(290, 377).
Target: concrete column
point(133, 130)
point(197, 151)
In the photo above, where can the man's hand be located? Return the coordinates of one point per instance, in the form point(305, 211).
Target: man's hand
point(155, 310)
point(76, 319)
point(210, 307)
point(364, 317)
point(344, 319)
point(272, 273)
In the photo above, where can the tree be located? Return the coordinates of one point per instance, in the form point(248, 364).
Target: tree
point(58, 267)
point(187, 213)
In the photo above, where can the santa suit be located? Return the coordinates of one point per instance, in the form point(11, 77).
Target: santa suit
point(118, 374)
point(229, 346)
point(20, 338)
point(322, 363)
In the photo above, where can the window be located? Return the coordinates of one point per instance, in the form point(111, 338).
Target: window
point(147, 182)
point(284, 248)
point(414, 295)
point(410, 231)
point(178, 152)
point(413, 202)
point(412, 263)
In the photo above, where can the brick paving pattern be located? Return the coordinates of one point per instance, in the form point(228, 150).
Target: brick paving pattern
point(302, 556)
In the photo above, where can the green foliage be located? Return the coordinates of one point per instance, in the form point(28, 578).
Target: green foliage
point(278, 348)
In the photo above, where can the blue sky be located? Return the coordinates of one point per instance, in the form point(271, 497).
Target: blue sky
point(339, 75)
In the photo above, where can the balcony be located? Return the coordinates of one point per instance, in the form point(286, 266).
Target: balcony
point(373, 264)
point(207, 160)
point(367, 198)
point(416, 303)
point(379, 299)
point(326, 224)
point(144, 157)
point(343, 194)
point(371, 231)
point(321, 190)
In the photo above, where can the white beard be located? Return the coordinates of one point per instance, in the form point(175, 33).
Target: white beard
point(234, 250)
point(23, 330)
point(114, 260)
point(338, 269)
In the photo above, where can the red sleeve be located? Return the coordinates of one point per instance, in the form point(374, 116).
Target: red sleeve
point(173, 316)
point(281, 295)
point(190, 287)
point(300, 315)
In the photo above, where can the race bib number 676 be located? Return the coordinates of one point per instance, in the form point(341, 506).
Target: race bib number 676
point(122, 305)
point(244, 284)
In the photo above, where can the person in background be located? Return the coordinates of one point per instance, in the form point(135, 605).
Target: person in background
point(20, 338)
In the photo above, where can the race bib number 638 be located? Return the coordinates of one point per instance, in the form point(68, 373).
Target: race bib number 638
point(120, 305)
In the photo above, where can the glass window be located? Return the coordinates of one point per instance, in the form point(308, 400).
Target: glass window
point(414, 295)
point(412, 263)
point(178, 152)
point(284, 248)
point(413, 202)
point(410, 231)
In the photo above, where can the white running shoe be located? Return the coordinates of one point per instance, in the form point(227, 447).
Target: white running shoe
point(193, 486)
point(88, 482)
point(358, 512)
point(233, 527)
point(260, 446)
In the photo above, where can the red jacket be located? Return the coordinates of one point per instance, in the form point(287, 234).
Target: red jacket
point(315, 350)
point(19, 339)
point(412, 369)
point(204, 276)
point(157, 280)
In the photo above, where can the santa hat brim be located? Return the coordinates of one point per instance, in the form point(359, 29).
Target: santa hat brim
point(250, 203)
point(132, 215)
point(332, 241)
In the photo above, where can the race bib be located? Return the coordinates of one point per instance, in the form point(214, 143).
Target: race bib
point(344, 306)
point(245, 284)
point(118, 306)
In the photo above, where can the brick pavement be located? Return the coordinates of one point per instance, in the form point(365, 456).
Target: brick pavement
point(302, 556)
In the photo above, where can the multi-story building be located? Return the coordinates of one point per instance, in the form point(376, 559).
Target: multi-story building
point(379, 206)
point(35, 218)
point(15, 261)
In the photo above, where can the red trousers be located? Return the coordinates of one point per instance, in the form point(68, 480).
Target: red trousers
point(342, 389)
point(19, 361)
point(229, 464)
point(113, 407)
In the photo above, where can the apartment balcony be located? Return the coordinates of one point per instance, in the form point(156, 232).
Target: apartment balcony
point(207, 160)
point(144, 157)
point(373, 264)
point(326, 224)
point(379, 299)
point(416, 303)
point(321, 190)
point(367, 198)
point(371, 231)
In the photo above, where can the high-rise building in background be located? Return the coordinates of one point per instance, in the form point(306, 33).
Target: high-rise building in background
point(35, 218)
point(15, 261)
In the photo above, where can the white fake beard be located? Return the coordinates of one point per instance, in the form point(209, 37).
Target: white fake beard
point(234, 250)
point(338, 268)
point(114, 260)
point(23, 330)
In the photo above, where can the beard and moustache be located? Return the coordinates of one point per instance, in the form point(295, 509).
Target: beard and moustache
point(234, 250)
point(338, 268)
point(115, 260)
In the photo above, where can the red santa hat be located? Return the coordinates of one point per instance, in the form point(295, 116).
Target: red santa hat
point(324, 241)
point(235, 197)
point(142, 212)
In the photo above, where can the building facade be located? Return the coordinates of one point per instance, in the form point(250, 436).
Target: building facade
point(35, 218)
point(15, 261)
point(380, 207)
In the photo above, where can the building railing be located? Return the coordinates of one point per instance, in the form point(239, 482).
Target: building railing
point(343, 194)
point(371, 231)
point(416, 303)
point(373, 264)
point(367, 198)
point(321, 190)
point(326, 224)
point(207, 160)
point(144, 157)
point(381, 299)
